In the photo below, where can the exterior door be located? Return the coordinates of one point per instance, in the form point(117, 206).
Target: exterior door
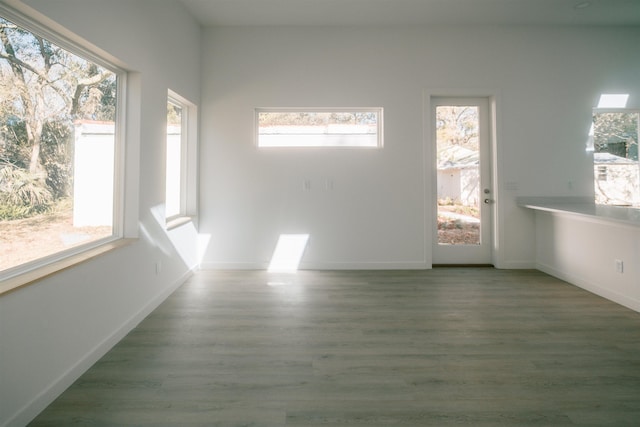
point(463, 195)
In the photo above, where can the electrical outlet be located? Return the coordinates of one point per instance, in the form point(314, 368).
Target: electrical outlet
point(619, 266)
point(158, 267)
point(328, 184)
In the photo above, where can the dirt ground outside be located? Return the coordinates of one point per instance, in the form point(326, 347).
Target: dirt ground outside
point(455, 230)
point(28, 239)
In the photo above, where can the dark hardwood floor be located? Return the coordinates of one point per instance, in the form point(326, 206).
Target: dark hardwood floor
point(448, 346)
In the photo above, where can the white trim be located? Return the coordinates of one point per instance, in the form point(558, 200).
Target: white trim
point(358, 265)
point(515, 265)
point(132, 133)
point(233, 266)
point(177, 221)
point(364, 265)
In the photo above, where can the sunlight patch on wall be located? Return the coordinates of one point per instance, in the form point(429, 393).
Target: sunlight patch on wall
point(288, 253)
point(590, 143)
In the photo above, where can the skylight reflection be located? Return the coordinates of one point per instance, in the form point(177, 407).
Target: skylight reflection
point(613, 100)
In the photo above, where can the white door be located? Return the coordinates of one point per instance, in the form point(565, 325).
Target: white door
point(464, 200)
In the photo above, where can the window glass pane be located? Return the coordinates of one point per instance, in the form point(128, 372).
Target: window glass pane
point(173, 202)
point(308, 128)
point(615, 157)
point(57, 145)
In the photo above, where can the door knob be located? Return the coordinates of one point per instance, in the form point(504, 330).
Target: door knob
point(488, 201)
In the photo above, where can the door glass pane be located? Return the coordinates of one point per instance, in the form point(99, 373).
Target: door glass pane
point(458, 178)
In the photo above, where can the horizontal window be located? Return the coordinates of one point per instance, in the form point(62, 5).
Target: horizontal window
point(59, 148)
point(319, 127)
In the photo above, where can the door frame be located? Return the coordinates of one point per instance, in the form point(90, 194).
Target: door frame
point(430, 174)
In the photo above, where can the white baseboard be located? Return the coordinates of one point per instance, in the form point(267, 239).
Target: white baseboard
point(397, 265)
point(409, 265)
point(516, 265)
point(29, 411)
point(232, 266)
point(592, 287)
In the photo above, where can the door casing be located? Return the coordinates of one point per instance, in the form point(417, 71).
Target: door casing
point(482, 254)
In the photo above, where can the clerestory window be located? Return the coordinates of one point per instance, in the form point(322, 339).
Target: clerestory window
point(320, 127)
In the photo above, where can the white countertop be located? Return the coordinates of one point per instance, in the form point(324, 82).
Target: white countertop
point(584, 207)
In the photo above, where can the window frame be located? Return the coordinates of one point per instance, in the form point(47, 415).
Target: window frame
point(188, 160)
point(28, 272)
point(379, 126)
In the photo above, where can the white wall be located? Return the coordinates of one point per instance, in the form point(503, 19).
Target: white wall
point(545, 82)
point(93, 168)
point(52, 330)
point(583, 251)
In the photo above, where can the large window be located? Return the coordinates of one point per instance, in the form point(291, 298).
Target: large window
point(295, 127)
point(180, 158)
point(59, 147)
point(615, 156)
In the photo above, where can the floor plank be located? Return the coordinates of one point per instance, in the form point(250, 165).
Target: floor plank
point(448, 346)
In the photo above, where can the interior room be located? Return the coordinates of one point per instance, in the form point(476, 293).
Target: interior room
point(355, 214)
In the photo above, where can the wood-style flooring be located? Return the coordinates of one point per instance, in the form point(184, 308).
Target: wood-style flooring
point(448, 346)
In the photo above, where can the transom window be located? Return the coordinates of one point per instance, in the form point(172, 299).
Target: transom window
point(59, 163)
point(296, 127)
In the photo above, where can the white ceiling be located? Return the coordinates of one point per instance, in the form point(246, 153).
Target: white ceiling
point(414, 12)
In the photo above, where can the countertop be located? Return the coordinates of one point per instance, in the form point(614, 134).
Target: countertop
point(582, 207)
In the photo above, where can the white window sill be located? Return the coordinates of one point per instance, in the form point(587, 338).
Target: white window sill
point(177, 222)
point(32, 276)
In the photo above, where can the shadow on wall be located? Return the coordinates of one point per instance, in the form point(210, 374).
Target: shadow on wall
point(179, 239)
